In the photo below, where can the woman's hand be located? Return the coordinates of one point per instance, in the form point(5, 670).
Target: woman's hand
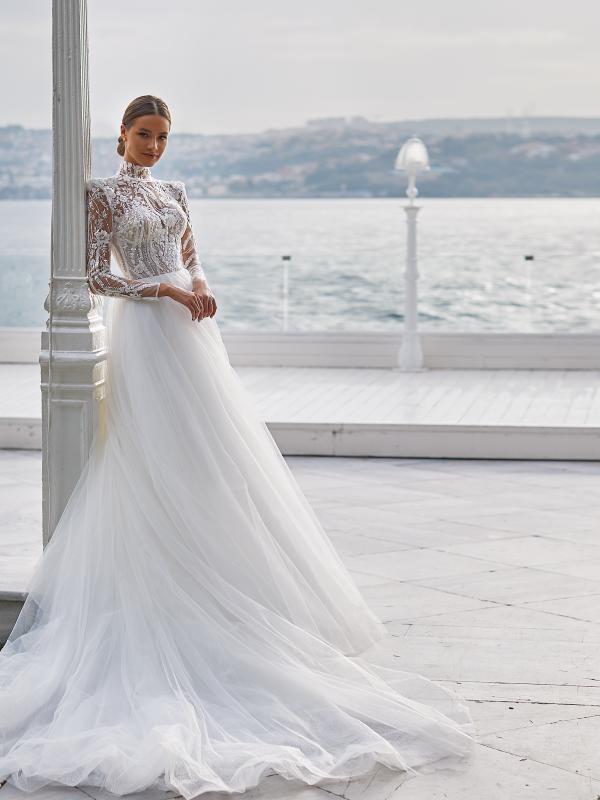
point(207, 299)
point(183, 296)
point(201, 301)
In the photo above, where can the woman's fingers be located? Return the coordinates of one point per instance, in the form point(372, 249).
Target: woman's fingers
point(202, 306)
point(210, 306)
point(197, 307)
point(195, 311)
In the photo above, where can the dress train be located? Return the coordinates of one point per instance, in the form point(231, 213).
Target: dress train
point(190, 626)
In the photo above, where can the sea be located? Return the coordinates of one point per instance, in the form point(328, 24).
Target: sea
point(493, 264)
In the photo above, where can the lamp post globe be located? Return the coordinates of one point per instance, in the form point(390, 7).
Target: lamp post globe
point(413, 159)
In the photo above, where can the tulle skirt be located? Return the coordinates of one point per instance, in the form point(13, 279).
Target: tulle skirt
point(190, 626)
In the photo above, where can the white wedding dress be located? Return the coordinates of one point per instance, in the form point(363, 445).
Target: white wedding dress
point(190, 626)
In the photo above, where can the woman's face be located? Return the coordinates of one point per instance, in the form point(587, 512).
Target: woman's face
point(146, 139)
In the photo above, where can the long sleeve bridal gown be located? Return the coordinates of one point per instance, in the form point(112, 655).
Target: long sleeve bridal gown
point(189, 626)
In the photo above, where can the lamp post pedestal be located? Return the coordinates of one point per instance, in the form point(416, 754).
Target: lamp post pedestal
point(411, 354)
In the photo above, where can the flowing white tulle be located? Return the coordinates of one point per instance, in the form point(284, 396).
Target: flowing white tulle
point(190, 625)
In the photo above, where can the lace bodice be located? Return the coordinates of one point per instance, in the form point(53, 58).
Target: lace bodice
point(146, 222)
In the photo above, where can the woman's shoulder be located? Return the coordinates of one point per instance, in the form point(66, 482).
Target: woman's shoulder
point(100, 184)
point(100, 192)
point(175, 188)
point(176, 185)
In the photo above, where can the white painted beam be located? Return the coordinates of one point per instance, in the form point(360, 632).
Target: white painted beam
point(442, 350)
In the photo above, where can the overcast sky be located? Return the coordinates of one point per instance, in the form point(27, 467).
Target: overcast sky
point(227, 66)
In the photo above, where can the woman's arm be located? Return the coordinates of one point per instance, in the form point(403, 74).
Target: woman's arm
point(189, 254)
point(99, 233)
point(191, 261)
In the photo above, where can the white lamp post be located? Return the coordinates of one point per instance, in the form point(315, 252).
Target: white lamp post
point(412, 159)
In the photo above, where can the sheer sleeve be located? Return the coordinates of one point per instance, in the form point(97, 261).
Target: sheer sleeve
point(99, 233)
point(189, 254)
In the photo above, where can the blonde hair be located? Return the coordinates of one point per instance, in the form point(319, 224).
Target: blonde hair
point(139, 107)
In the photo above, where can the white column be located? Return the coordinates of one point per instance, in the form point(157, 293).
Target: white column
point(411, 354)
point(72, 368)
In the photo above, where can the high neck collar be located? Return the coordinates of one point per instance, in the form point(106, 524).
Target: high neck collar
point(132, 170)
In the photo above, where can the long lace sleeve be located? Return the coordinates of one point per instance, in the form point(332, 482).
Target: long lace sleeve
point(99, 233)
point(189, 254)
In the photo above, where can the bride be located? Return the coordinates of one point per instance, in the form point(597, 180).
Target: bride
point(189, 626)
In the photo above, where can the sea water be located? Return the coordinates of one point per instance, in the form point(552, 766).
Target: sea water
point(494, 264)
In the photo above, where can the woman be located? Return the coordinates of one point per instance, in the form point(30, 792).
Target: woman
point(190, 625)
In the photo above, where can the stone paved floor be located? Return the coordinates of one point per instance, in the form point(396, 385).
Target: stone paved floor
point(487, 574)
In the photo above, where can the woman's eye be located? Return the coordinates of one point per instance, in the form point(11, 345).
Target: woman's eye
point(143, 133)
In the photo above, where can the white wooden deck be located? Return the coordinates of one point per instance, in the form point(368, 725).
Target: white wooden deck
point(454, 413)
point(432, 397)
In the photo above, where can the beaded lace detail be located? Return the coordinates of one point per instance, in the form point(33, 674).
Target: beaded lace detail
point(146, 222)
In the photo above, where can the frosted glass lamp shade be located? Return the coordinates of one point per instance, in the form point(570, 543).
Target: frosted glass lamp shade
point(413, 157)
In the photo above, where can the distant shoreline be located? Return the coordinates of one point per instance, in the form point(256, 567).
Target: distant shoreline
point(341, 158)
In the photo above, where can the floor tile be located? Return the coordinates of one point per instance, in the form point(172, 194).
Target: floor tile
point(515, 585)
point(570, 744)
point(419, 564)
point(498, 775)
